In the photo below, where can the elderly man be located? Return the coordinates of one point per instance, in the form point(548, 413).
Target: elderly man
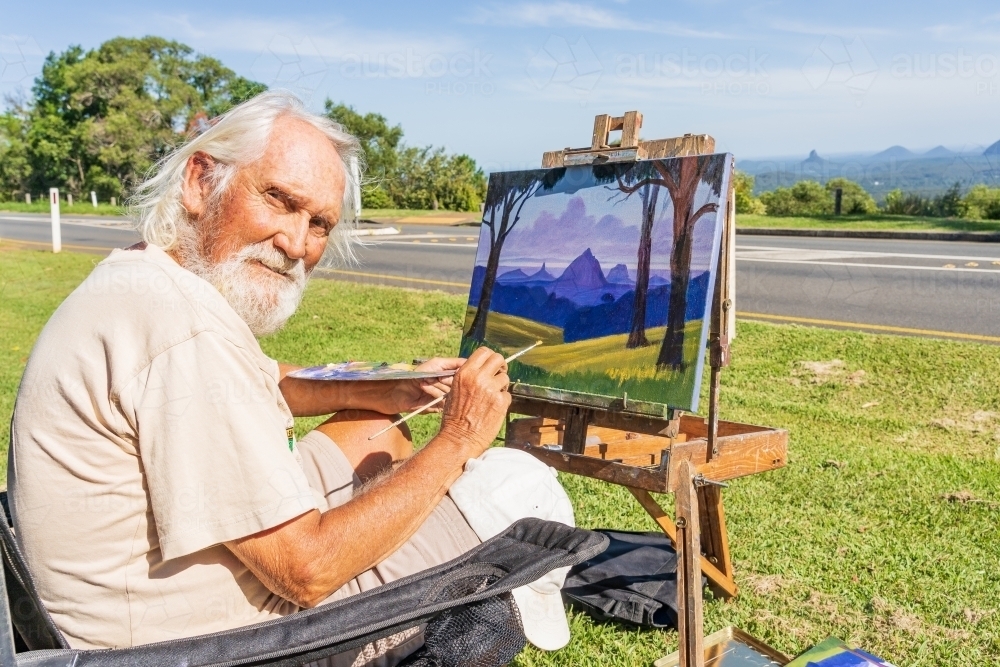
point(157, 487)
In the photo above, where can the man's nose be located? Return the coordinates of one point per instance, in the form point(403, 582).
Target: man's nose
point(292, 239)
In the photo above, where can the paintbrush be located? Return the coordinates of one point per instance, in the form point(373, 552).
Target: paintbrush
point(443, 396)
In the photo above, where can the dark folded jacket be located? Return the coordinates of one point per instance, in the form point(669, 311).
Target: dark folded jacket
point(634, 580)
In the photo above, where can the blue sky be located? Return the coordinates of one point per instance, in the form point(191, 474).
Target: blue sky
point(504, 82)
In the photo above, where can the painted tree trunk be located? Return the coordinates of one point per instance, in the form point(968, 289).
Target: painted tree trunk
point(477, 331)
point(637, 334)
point(672, 351)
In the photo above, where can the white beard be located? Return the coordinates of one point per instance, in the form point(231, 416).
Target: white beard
point(263, 299)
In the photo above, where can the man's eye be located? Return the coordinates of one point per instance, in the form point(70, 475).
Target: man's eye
point(278, 197)
point(321, 225)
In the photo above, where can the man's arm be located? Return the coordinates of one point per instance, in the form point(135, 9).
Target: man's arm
point(308, 558)
point(312, 398)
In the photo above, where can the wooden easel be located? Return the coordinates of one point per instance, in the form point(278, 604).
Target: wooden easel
point(645, 452)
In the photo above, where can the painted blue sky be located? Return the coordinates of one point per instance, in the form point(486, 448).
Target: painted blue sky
point(503, 82)
point(556, 228)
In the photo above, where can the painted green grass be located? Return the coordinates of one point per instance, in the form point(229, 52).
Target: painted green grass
point(600, 366)
point(882, 529)
point(867, 222)
point(511, 333)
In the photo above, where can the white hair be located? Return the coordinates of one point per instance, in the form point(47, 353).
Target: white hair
point(236, 139)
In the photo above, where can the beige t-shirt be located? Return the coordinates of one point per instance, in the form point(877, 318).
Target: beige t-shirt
point(149, 428)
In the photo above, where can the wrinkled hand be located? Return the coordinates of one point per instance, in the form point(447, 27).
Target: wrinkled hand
point(408, 395)
point(478, 402)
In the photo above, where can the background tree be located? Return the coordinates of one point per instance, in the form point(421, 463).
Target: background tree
point(429, 178)
point(743, 189)
point(508, 192)
point(380, 143)
point(406, 176)
point(950, 203)
point(855, 199)
point(15, 160)
point(981, 203)
point(898, 202)
point(803, 198)
point(98, 119)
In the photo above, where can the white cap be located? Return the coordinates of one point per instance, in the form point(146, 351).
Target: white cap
point(500, 487)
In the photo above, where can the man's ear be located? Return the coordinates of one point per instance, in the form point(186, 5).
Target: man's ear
point(196, 188)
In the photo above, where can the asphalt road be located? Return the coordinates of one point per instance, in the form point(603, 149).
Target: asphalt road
point(945, 289)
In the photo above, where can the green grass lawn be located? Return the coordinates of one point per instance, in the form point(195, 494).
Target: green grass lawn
point(882, 529)
point(868, 222)
point(78, 208)
point(84, 207)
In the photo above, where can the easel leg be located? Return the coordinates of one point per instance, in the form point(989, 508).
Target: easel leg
point(715, 538)
point(721, 583)
point(689, 595)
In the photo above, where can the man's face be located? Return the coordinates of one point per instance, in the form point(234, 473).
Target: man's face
point(290, 199)
point(260, 241)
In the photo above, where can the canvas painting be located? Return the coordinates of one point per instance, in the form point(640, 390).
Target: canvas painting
point(611, 266)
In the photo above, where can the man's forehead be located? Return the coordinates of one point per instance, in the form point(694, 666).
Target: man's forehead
point(302, 159)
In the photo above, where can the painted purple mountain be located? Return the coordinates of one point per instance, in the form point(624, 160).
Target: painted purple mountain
point(619, 275)
point(542, 274)
point(582, 275)
point(511, 277)
point(591, 313)
point(581, 284)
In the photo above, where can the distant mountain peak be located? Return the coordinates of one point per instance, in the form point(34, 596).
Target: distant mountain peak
point(939, 151)
point(619, 275)
point(814, 157)
point(893, 152)
point(583, 273)
point(994, 149)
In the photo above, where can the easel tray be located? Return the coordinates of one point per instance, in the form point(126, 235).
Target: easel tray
point(651, 462)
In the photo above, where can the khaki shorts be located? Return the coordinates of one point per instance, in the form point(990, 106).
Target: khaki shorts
point(443, 536)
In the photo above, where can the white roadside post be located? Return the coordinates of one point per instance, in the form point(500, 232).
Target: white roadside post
point(356, 173)
point(93, 198)
point(56, 230)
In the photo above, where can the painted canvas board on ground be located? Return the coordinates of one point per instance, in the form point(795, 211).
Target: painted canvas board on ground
point(612, 266)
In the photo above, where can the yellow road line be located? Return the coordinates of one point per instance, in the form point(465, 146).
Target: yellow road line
point(48, 244)
point(875, 327)
point(391, 277)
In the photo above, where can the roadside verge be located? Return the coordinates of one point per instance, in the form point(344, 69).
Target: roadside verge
point(979, 237)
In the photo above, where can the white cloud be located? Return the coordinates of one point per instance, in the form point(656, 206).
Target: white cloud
point(803, 28)
point(332, 39)
point(578, 15)
point(966, 34)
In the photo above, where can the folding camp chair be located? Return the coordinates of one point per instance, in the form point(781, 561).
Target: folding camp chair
point(463, 607)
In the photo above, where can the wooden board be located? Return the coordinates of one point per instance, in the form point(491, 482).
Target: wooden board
point(601, 442)
point(689, 144)
point(743, 450)
point(689, 594)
